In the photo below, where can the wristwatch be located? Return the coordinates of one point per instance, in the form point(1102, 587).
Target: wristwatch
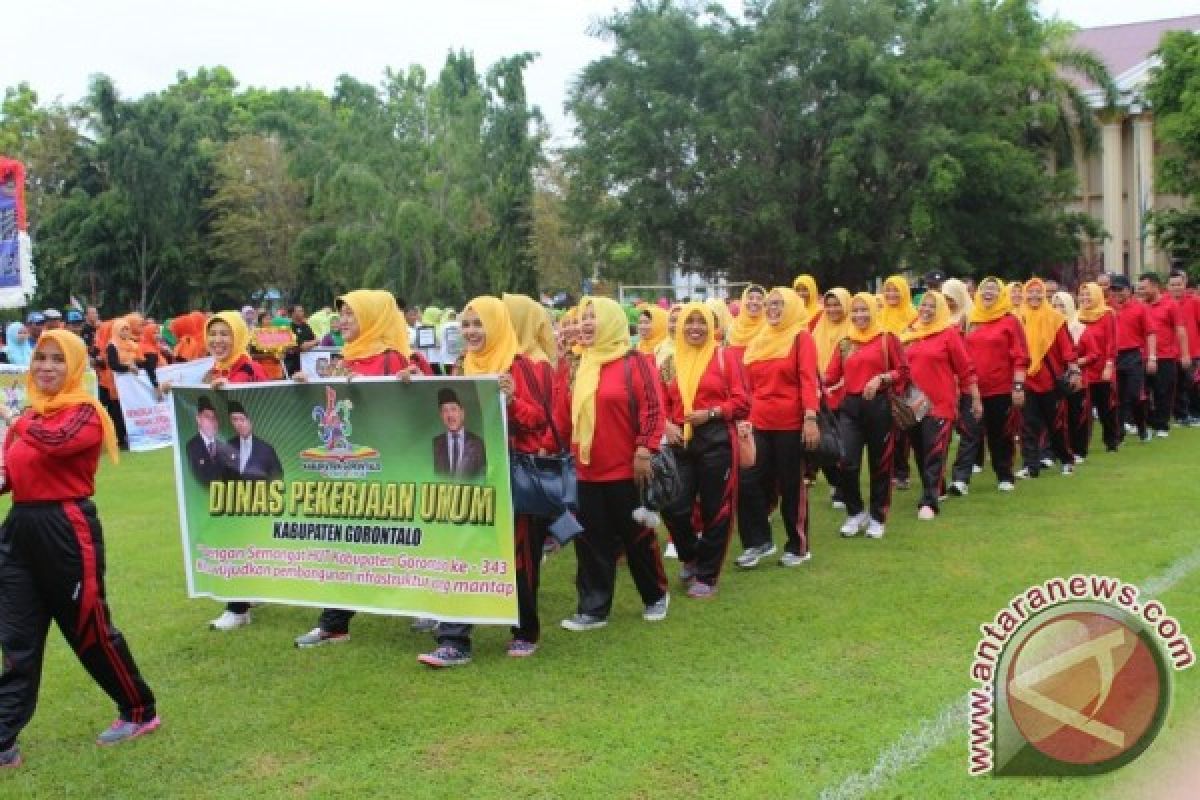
point(712, 413)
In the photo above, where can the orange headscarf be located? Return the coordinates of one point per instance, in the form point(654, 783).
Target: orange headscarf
point(127, 346)
point(148, 344)
point(189, 336)
point(1041, 326)
point(72, 392)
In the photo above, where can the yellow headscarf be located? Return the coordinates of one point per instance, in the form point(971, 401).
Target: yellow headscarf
point(1099, 307)
point(895, 319)
point(775, 341)
point(721, 314)
point(956, 290)
point(658, 329)
point(611, 342)
point(72, 392)
point(982, 312)
point(812, 306)
point(531, 321)
point(874, 326)
point(744, 326)
point(571, 317)
point(691, 362)
point(241, 336)
point(827, 334)
point(940, 322)
point(1041, 326)
point(381, 326)
point(500, 344)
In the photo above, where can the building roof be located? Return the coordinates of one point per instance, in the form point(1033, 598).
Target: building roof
point(1127, 48)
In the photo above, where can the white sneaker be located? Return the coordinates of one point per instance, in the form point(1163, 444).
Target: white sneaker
point(875, 529)
point(959, 489)
point(976, 469)
point(1161, 434)
point(1130, 428)
point(838, 505)
point(1068, 469)
point(925, 513)
point(854, 525)
point(670, 551)
point(793, 560)
point(1047, 462)
point(1079, 459)
point(229, 621)
point(1005, 486)
point(1023, 473)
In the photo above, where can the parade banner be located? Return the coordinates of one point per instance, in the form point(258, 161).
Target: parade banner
point(320, 362)
point(374, 494)
point(147, 418)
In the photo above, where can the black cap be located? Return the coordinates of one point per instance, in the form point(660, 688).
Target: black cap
point(1119, 282)
point(934, 276)
point(235, 407)
point(447, 396)
point(204, 404)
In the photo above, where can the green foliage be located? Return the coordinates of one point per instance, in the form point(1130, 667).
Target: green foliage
point(1174, 94)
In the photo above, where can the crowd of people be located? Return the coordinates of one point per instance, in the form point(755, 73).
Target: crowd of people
point(746, 394)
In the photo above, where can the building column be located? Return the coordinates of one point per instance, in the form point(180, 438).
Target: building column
point(1144, 254)
point(1114, 245)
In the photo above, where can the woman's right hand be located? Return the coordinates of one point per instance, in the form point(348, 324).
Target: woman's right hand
point(300, 377)
point(674, 434)
point(811, 433)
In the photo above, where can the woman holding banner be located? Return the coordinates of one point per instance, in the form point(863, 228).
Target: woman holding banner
point(52, 549)
point(612, 447)
point(377, 344)
point(493, 349)
point(120, 357)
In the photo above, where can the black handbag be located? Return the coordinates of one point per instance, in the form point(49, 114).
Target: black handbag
point(665, 486)
point(544, 486)
point(829, 451)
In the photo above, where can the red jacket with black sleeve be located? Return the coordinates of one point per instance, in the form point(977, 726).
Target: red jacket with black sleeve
point(865, 362)
point(53, 458)
point(1097, 347)
point(940, 366)
point(721, 386)
point(531, 406)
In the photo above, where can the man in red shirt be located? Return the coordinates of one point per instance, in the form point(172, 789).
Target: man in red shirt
point(1135, 340)
point(1187, 393)
point(1171, 349)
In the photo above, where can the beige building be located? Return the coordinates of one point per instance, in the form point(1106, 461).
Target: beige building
point(1116, 185)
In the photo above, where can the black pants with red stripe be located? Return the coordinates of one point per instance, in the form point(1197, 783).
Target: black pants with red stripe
point(867, 423)
point(931, 442)
point(707, 477)
point(529, 537)
point(1044, 412)
point(778, 472)
point(52, 568)
point(1103, 397)
point(606, 513)
point(1079, 421)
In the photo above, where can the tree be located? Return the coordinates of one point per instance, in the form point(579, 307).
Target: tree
point(1174, 93)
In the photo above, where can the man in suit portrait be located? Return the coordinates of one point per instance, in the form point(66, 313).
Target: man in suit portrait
point(209, 457)
point(457, 453)
point(256, 460)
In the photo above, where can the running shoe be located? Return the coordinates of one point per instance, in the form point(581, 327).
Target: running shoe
point(229, 621)
point(124, 730)
point(657, 611)
point(794, 560)
point(318, 638)
point(874, 529)
point(445, 656)
point(958, 489)
point(854, 525)
point(584, 622)
point(521, 648)
point(10, 758)
point(701, 591)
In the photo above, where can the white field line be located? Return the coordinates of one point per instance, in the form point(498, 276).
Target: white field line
point(930, 734)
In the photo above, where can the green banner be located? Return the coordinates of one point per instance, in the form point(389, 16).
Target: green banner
point(375, 495)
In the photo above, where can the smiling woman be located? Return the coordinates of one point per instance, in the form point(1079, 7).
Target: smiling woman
point(52, 550)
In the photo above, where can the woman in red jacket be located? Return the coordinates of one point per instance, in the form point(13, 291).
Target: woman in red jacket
point(996, 345)
point(865, 371)
point(376, 344)
point(781, 370)
point(493, 349)
point(612, 451)
point(1079, 411)
point(939, 364)
point(52, 549)
point(1098, 348)
point(1051, 355)
point(704, 400)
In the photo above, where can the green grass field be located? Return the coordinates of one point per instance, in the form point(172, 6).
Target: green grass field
point(784, 686)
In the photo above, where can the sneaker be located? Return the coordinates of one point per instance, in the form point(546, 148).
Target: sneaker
point(123, 730)
point(958, 489)
point(1146, 437)
point(229, 621)
point(1079, 459)
point(1193, 422)
point(1005, 486)
point(317, 638)
point(10, 758)
point(749, 558)
point(584, 622)
point(687, 572)
point(874, 529)
point(657, 611)
point(445, 656)
point(1162, 434)
point(767, 550)
point(1047, 462)
point(423, 625)
point(902, 484)
point(1068, 469)
point(925, 513)
point(1130, 428)
point(976, 469)
point(854, 525)
point(1025, 472)
point(793, 560)
point(701, 591)
point(838, 505)
point(520, 648)
point(670, 551)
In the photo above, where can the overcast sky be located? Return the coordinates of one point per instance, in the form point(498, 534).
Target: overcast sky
point(55, 44)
